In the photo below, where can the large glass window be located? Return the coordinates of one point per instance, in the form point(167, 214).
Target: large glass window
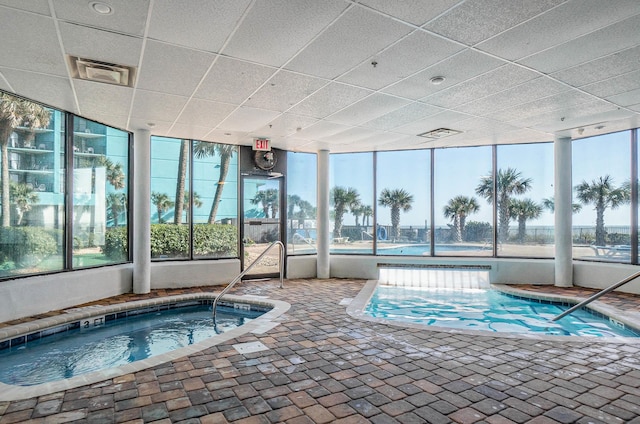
point(170, 176)
point(525, 200)
point(463, 199)
point(351, 192)
point(100, 194)
point(32, 191)
point(602, 193)
point(301, 203)
point(403, 187)
point(214, 200)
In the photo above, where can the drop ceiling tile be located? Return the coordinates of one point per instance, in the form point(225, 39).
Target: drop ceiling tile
point(416, 12)
point(524, 93)
point(36, 6)
point(320, 130)
point(97, 99)
point(205, 113)
point(492, 82)
point(615, 85)
point(4, 85)
point(417, 51)
point(367, 32)
point(247, 119)
point(274, 31)
point(194, 132)
point(404, 115)
point(50, 90)
point(160, 128)
point(446, 119)
point(285, 125)
point(172, 69)
point(227, 137)
point(205, 30)
point(104, 46)
point(350, 135)
point(477, 20)
point(232, 81)
point(367, 109)
point(284, 90)
point(153, 106)
point(558, 102)
point(608, 40)
point(456, 69)
point(601, 69)
point(569, 116)
point(329, 99)
point(34, 50)
point(629, 98)
point(127, 17)
point(570, 20)
point(484, 125)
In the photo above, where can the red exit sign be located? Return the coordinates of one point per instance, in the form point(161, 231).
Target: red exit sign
point(263, 144)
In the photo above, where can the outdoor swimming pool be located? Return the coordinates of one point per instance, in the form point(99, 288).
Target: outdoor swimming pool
point(487, 310)
point(411, 249)
point(112, 340)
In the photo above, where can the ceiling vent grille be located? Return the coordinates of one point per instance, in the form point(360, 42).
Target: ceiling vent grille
point(109, 73)
point(439, 133)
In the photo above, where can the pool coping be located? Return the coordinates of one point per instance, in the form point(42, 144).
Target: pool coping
point(356, 310)
point(258, 325)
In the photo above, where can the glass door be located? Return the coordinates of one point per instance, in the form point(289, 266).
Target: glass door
point(262, 224)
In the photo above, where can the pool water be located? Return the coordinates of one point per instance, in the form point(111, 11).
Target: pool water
point(487, 310)
point(410, 249)
point(117, 342)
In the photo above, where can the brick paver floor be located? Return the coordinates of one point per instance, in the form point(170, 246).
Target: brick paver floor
point(323, 366)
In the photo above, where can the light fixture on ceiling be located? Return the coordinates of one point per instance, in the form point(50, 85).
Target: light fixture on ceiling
point(101, 8)
point(439, 133)
point(437, 80)
point(96, 71)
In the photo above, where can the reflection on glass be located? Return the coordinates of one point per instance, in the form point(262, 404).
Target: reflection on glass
point(32, 190)
point(214, 200)
point(525, 200)
point(261, 210)
point(403, 186)
point(463, 202)
point(602, 193)
point(170, 174)
point(100, 195)
point(301, 203)
point(351, 192)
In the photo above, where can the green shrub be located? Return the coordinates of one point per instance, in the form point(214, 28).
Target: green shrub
point(115, 244)
point(215, 240)
point(27, 246)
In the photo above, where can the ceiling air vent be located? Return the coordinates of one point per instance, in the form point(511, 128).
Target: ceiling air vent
point(93, 70)
point(439, 133)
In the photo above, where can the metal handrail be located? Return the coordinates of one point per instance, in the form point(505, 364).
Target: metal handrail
point(239, 277)
point(597, 295)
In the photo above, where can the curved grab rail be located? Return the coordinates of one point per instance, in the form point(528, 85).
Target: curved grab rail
point(239, 277)
point(597, 295)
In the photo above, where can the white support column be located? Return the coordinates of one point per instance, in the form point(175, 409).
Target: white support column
point(142, 212)
point(563, 190)
point(323, 264)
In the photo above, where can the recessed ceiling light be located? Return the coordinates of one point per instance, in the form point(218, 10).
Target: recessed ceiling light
point(101, 8)
point(439, 133)
point(437, 80)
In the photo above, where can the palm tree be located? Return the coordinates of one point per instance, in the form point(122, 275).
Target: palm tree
point(116, 203)
point(602, 194)
point(396, 199)
point(269, 200)
point(183, 160)
point(510, 182)
point(341, 199)
point(186, 201)
point(113, 172)
point(293, 201)
point(162, 203)
point(550, 204)
point(202, 149)
point(24, 197)
point(15, 112)
point(458, 209)
point(522, 210)
point(356, 211)
point(367, 212)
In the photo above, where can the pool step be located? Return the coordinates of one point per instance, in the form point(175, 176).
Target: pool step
point(436, 277)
